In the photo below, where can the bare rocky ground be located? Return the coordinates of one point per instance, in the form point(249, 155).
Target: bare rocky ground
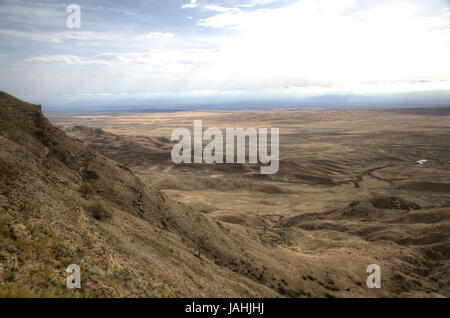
point(349, 193)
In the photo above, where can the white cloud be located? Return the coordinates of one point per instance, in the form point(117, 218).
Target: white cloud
point(61, 37)
point(67, 60)
point(156, 36)
point(32, 11)
point(308, 44)
point(333, 42)
point(190, 5)
point(253, 3)
point(55, 37)
point(156, 59)
point(96, 94)
point(217, 8)
point(313, 46)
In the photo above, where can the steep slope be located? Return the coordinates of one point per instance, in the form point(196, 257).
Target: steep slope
point(62, 203)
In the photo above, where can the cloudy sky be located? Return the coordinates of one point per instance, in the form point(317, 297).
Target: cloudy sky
point(160, 50)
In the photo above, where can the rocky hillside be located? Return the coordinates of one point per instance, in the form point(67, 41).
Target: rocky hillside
point(62, 203)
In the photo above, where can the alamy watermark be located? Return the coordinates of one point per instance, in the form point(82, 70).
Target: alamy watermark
point(374, 279)
point(74, 19)
point(213, 152)
point(74, 279)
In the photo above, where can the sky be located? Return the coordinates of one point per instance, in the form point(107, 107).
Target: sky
point(163, 53)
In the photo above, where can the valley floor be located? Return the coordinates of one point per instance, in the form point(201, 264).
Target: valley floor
point(350, 191)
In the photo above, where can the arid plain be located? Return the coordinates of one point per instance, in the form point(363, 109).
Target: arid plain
point(349, 187)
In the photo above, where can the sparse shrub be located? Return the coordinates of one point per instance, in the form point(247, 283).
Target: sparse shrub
point(164, 140)
point(39, 120)
point(60, 251)
point(13, 290)
point(8, 173)
point(99, 212)
point(7, 169)
point(59, 154)
point(79, 253)
point(90, 175)
point(42, 277)
point(42, 137)
point(27, 207)
point(9, 274)
point(122, 275)
point(5, 233)
point(86, 190)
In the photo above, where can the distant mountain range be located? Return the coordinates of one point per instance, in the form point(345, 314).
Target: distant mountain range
point(182, 101)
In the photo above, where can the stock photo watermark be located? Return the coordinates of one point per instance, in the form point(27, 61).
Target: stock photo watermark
point(374, 279)
point(213, 152)
point(74, 279)
point(74, 19)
